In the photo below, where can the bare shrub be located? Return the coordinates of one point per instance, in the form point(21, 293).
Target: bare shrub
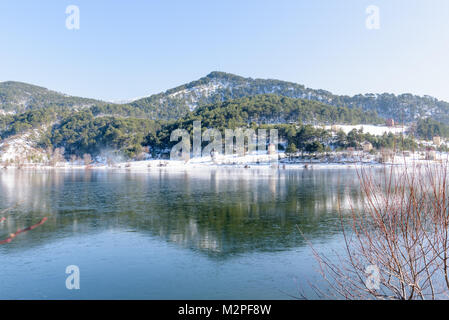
point(55, 156)
point(401, 230)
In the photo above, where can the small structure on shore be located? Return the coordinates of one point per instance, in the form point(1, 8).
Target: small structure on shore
point(437, 141)
point(390, 122)
point(367, 146)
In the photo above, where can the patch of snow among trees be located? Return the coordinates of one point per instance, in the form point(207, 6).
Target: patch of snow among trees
point(371, 129)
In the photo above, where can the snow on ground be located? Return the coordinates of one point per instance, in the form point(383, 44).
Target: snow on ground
point(18, 146)
point(4, 113)
point(281, 161)
point(203, 162)
point(337, 160)
point(372, 129)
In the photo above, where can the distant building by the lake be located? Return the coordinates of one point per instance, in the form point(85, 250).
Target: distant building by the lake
point(390, 123)
point(437, 141)
point(367, 146)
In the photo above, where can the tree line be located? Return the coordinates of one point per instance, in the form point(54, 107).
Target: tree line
point(127, 130)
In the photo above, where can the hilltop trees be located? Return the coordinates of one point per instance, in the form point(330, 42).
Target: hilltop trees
point(355, 138)
point(126, 130)
point(20, 123)
point(428, 128)
point(291, 149)
point(293, 117)
point(20, 97)
point(84, 133)
point(175, 103)
point(273, 109)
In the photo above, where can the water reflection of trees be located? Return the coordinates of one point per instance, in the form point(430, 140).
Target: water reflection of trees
point(218, 212)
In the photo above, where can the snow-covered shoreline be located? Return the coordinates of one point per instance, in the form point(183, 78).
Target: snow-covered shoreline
point(255, 161)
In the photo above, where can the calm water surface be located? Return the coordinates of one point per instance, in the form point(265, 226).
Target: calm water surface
point(202, 234)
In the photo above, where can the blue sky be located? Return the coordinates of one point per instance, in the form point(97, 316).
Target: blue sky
point(127, 49)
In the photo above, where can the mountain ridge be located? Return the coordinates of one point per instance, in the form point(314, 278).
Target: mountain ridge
point(18, 97)
point(216, 87)
point(220, 86)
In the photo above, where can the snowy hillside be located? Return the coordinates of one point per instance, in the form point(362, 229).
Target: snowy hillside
point(21, 148)
point(16, 97)
point(220, 86)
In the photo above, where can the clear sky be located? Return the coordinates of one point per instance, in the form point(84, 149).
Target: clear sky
point(127, 49)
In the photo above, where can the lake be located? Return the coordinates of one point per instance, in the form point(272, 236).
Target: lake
point(222, 233)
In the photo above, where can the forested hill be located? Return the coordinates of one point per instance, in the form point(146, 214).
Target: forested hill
point(48, 120)
point(274, 109)
point(262, 111)
point(218, 87)
point(18, 97)
point(89, 131)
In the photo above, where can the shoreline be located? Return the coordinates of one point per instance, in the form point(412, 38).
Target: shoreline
point(274, 161)
point(169, 165)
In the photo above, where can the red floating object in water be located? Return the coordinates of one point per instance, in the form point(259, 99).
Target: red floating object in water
point(13, 235)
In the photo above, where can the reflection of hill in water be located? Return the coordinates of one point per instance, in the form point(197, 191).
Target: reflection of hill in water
point(218, 212)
